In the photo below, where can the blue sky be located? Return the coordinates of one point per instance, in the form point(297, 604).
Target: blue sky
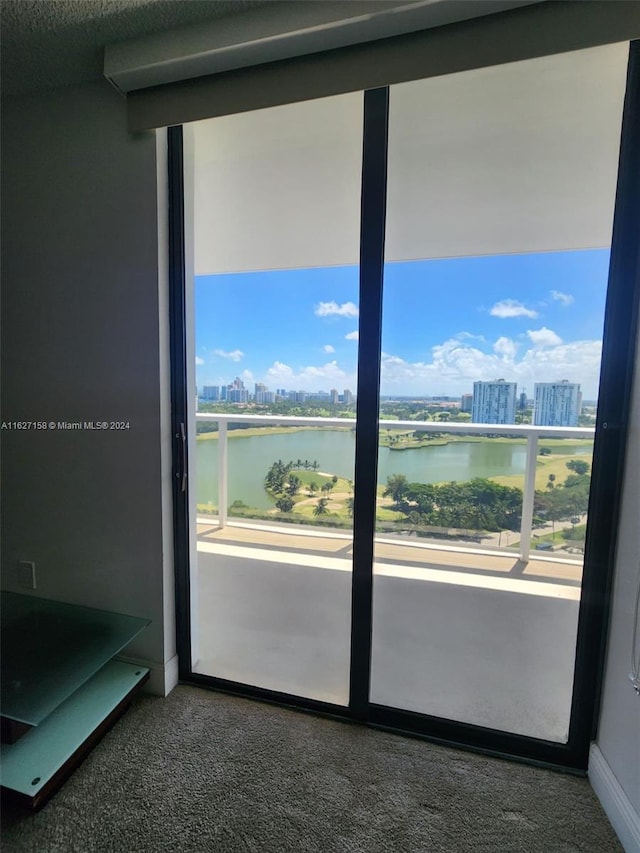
point(446, 323)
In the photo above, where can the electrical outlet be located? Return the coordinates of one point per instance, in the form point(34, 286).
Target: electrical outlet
point(27, 574)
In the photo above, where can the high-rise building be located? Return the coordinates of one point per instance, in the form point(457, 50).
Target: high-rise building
point(522, 402)
point(494, 402)
point(237, 395)
point(557, 403)
point(235, 392)
point(211, 392)
point(334, 397)
point(347, 397)
point(260, 392)
point(466, 403)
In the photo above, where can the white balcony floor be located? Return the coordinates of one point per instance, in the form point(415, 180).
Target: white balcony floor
point(459, 633)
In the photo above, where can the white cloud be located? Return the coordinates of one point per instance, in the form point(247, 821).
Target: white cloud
point(234, 355)
point(352, 336)
point(310, 378)
point(199, 360)
point(563, 298)
point(512, 308)
point(505, 347)
point(454, 366)
point(332, 309)
point(280, 370)
point(544, 337)
point(328, 348)
point(247, 376)
point(468, 336)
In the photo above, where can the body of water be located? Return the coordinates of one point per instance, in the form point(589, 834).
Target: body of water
point(334, 450)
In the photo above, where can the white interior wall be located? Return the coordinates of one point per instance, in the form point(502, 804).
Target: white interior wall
point(81, 342)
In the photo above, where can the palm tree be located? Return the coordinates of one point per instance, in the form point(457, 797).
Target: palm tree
point(294, 485)
point(457, 515)
point(315, 464)
point(285, 503)
point(275, 476)
point(321, 507)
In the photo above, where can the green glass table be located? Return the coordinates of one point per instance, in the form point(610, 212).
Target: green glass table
point(60, 688)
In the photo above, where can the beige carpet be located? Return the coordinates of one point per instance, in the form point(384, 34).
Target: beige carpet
point(200, 771)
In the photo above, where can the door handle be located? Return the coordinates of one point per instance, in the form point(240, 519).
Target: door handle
point(182, 473)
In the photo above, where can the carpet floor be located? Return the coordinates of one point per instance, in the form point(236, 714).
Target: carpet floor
point(200, 771)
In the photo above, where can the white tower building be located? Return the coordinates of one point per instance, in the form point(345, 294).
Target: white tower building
point(557, 403)
point(494, 402)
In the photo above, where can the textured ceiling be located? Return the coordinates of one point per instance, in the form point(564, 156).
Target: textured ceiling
point(46, 44)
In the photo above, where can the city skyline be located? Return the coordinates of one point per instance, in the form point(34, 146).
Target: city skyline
point(553, 403)
point(236, 392)
point(446, 324)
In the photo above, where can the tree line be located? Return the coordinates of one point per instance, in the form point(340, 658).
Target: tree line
point(478, 504)
point(481, 504)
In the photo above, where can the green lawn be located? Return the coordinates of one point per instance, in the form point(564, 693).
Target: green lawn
point(577, 535)
point(555, 463)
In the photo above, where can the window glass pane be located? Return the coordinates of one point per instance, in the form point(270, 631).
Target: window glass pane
point(500, 205)
point(276, 339)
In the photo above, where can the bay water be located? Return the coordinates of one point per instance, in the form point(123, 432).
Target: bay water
point(249, 459)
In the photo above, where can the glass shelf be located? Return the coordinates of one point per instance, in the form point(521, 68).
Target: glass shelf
point(29, 765)
point(50, 649)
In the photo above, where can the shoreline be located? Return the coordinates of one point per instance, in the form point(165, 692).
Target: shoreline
point(410, 444)
point(417, 444)
point(251, 432)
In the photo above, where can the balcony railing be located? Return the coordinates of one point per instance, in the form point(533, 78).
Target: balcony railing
point(531, 433)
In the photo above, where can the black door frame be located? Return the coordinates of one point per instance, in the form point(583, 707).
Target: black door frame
point(616, 378)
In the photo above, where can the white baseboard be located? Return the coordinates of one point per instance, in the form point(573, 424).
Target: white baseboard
point(623, 817)
point(162, 677)
point(170, 675)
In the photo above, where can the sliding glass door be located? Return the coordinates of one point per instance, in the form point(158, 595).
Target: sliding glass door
point(501, 192)
point(276, 219)
point(394, 326)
